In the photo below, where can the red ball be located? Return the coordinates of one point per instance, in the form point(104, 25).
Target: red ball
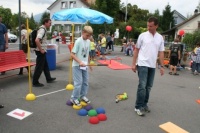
point(181, 32)
point(94, 120)
point(102, 117)
point(128, 28)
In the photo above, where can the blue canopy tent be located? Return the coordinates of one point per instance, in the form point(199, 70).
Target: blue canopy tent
point(82, 15)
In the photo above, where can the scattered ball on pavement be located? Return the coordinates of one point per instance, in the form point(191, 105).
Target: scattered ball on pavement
point(100, 110)
point(91, 62)
point(88, 107)
point(77, 107)
point(83, 103)
point(102, 117)
point(94, 120)
point(69, 103)
point(92, 112)
point(82, 112)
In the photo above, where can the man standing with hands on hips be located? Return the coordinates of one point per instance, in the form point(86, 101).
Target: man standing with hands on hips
point(149, 45)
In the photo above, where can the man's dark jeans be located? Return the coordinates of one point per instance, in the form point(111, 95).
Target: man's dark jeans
point(146, 78)
point(2, 49)
point(41, 65)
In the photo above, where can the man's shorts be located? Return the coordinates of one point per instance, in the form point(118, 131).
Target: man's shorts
point(103, 49)
point(25, 48)
point(92, 53)
point(173, 60)
point(2, 48)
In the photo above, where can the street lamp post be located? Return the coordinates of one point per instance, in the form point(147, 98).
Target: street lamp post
point(19, 25)
point(126, 11)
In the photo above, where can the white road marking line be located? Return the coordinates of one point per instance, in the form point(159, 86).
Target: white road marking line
point(50, 93)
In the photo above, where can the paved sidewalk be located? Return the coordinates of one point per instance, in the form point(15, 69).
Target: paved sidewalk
point(173, 98)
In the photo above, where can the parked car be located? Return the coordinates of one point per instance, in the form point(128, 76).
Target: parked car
point(12, 38)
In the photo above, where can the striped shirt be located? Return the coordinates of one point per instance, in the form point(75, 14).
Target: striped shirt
point(198, 55)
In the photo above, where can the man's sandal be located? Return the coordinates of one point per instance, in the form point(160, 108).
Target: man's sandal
point(176, 74)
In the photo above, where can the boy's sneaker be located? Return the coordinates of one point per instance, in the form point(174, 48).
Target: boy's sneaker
point(140, 112)
point(85, 99)
point(75, 102)
point(146, 109)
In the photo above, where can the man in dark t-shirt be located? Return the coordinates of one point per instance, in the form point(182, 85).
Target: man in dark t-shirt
point(174, 57)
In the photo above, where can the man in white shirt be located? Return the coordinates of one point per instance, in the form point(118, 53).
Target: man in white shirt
point(148, 46)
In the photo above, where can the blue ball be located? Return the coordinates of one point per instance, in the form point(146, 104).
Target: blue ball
point(82, 112)
point(100, 110)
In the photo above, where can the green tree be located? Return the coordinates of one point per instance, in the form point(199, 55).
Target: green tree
point(167, 20)
point(6, 15)
point(15, 21)
point(138, 21)
point(109, 7)
point(32, 23)
point(44, 15)
point(190, 39)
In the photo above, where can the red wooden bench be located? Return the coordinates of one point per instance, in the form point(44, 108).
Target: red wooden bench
point(13, 60)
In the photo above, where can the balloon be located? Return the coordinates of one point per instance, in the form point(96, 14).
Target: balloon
point(181, 32)
point(128, 28)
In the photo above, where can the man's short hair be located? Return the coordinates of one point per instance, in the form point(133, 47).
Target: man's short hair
point(46, 20)
point(153, 19)
point(88, 29)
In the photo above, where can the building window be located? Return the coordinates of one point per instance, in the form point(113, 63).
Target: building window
point(199, 25)
point(72, 4)
point(67, 28)
point(63, 5)
point(77, 28)
point(175, 20)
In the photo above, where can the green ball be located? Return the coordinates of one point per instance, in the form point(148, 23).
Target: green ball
point(92, 112)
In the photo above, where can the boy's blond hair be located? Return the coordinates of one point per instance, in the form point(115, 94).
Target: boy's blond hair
point(88, 29)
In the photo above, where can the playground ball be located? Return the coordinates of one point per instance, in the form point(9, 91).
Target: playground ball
point(92, 112)
point(102, 117)
point(100, 110)
point(69, 103)
point(94, 120)
point(82, 112)
point(77, 107)
point(92, 62)
point(69, 87)
point(83, 103)
point(88, 107)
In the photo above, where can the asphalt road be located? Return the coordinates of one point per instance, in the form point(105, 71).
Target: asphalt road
point(173, 98)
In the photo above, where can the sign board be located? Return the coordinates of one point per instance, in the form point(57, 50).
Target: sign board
point(19, 114)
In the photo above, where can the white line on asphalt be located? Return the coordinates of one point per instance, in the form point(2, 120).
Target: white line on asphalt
point(50, 93)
